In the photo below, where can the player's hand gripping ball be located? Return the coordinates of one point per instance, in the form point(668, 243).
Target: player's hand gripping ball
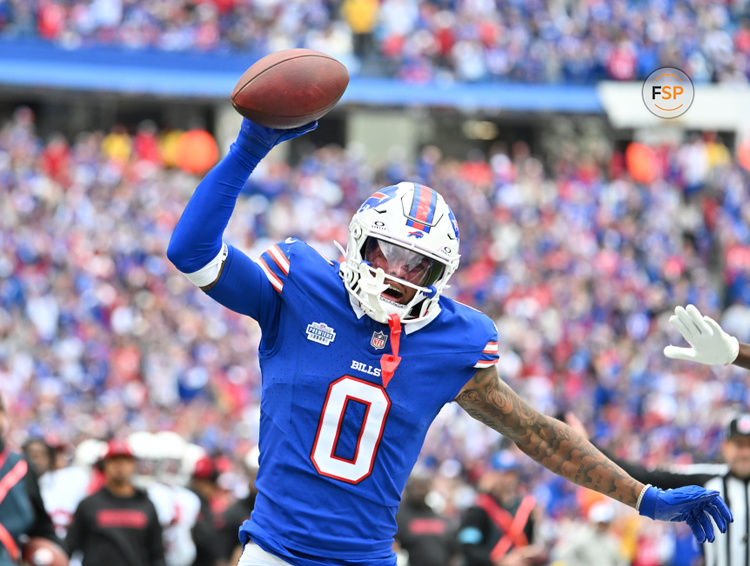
point(290, 88)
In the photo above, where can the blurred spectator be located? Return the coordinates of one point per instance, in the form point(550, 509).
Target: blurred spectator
point(22, 511)
point(420, 40)
point(240, 510)
point(39, 455)
point(427, 537)
point(117, 525)
point(64, 488)
point(592, 543)
point(499, 529)
point(159, 465)
point(361, 16)
point(206, 535)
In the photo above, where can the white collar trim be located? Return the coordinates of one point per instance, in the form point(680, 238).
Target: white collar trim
point(408, 328)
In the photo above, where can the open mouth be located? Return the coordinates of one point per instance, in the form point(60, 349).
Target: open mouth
point(392, 294)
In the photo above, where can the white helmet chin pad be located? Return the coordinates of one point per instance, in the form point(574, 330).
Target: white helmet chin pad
point(373, 286)
point(417, 232)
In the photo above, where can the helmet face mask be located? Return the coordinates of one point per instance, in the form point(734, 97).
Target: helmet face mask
point(402, 249)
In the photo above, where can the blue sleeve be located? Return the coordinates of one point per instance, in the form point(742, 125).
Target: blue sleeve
point(244, 288)
point(196, 239)
point(256, 288)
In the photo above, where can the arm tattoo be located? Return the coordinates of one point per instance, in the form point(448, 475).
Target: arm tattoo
point(549, 441)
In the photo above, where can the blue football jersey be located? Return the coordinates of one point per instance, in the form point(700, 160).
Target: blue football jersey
point(336, 445)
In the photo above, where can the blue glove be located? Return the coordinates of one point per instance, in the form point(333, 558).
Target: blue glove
point(692, 504)
point(258, 140)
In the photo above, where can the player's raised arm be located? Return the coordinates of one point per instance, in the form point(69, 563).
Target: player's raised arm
point(566, 452)
point(710, 344)
point(196, 247)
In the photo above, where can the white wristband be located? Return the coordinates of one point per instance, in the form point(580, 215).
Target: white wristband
point(209, 272)
point(640, 497)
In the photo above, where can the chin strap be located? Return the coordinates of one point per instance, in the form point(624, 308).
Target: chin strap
point(389, 362)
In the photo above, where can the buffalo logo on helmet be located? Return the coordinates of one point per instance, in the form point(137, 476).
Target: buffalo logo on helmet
point(376, 199)
point(378, 340)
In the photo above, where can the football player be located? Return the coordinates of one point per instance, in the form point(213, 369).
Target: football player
point(62, 490)
point(159, 457)
point(357, 359)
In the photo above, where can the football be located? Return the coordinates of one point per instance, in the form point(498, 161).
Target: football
point(43, 552)
point(290, 88)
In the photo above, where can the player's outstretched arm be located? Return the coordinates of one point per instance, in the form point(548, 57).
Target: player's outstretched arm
point(709, 343)
point(549, 441)
point(566, 452)
point(196, 246)
point(664, 478)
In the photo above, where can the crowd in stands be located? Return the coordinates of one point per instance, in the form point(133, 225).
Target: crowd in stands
point(578, 264)
point(420, 40)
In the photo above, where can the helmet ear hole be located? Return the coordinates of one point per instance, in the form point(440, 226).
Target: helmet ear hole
point(351, 276)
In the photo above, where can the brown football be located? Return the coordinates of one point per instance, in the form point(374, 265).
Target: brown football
point(42, 552)
point(290, 88)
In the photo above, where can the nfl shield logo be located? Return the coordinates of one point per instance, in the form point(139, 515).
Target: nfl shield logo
point(378, 340)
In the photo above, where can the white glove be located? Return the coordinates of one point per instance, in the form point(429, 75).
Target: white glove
point(710, 344)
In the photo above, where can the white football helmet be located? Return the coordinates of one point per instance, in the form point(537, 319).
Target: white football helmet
point(146, 450)
point(171, 448)
point(191, 454)
point(404, 233)
point(89, 452)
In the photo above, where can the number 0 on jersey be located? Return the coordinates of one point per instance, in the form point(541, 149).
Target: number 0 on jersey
point(377, 404)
